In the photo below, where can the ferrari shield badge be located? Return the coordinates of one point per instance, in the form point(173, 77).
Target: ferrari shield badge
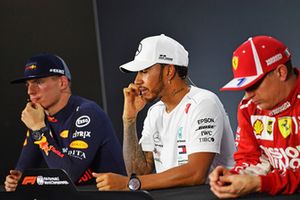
point(285, 126)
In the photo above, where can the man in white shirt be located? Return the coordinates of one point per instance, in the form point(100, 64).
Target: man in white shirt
point(186, 133)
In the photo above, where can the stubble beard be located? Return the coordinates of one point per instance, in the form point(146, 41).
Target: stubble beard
point(157, 93)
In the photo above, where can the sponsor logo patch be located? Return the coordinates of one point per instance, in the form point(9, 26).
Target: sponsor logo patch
point(42, 180)
point(205, 127)
point(280, 109)
point(83, 121)
point(31, 67)
point(44, 145)
point(79, 144)
point(82, 134)
point(59, 71)
point(206, 120)
point(235, 62)
point(179, 134)
point(207, 139)
point(270, 126)
point(240, 81)
point(263, 127)
point(258, 127)
point(156, 137)
point(283, 158)
point(139, 49)
point(64, 134)
point(274, 59)
point(285, 126)
point(182, 149)
point(187, 107)
point(164, 57)
point(29, 180)
point(77, 154)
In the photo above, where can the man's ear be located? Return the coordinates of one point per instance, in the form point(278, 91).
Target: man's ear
point(282, 72)
point(171, 72)
point(64, 82)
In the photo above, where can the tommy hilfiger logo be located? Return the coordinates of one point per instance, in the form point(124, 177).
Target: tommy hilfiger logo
point(164, 57)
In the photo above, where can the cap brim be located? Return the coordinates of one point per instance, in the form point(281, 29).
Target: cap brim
point(24, 79)
point(136, 65)
point(241, 83)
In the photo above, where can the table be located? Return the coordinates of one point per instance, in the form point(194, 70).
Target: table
point(201, 192)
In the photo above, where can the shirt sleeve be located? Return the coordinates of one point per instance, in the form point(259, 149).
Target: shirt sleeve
point(206, 127)
point(30, 156)
point(248, 157)
point(76, 158)
point(146, 140)
point(284, 182)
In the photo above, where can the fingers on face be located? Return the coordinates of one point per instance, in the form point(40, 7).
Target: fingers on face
point(132, 89)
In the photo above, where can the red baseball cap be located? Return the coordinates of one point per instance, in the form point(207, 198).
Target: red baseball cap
point(253, 59)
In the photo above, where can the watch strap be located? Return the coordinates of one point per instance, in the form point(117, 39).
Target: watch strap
point(38, 134)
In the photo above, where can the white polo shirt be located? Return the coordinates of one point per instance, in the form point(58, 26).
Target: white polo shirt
point(197, 124)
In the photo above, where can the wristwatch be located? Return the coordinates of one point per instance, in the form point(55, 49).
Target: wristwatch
point(134, 183)
point(38, 134)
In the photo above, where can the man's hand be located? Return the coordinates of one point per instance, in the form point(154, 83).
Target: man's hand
point(233, 186)
point(133, 102)
point(111, 181)
point(215, 175)
point(11, 181)
point(33, 116)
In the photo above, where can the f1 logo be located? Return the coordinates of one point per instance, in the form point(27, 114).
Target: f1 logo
point(29, 180)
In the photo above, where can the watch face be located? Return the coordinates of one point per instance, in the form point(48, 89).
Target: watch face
point(37, 135)
point(134, 184)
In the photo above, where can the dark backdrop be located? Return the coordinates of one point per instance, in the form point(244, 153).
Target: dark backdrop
point(63, 27)
point(209, 29)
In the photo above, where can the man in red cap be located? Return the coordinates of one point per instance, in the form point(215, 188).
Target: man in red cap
point(268, 143)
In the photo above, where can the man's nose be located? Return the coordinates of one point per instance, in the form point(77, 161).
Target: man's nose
point(138, 79)
point(31, 88)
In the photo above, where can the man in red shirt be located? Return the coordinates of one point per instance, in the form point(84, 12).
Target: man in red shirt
point(268, 138)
